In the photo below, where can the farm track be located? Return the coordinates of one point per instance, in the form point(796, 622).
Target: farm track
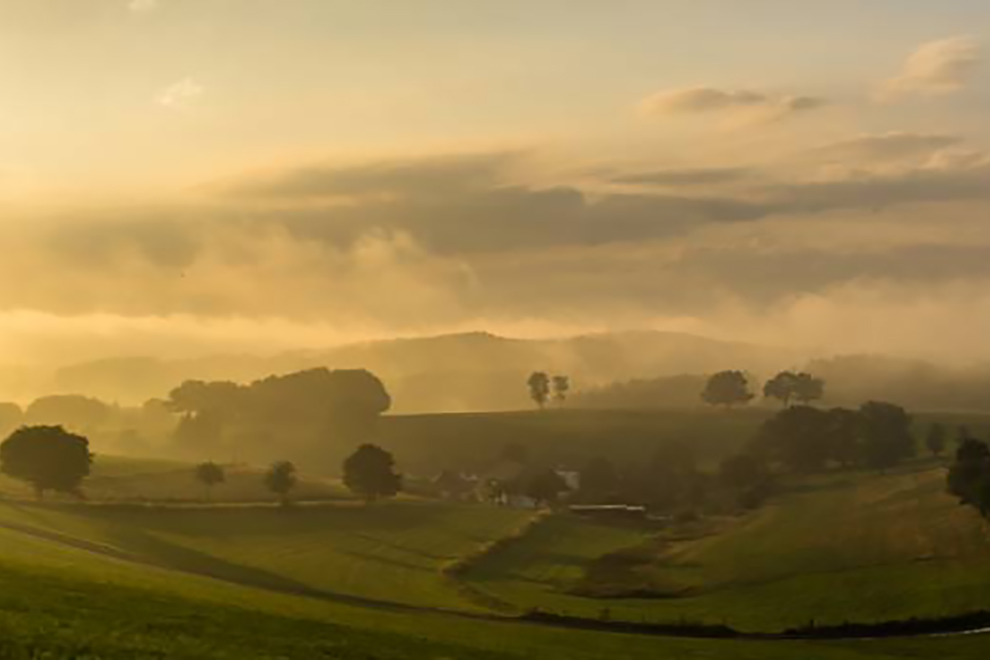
point(560, 623)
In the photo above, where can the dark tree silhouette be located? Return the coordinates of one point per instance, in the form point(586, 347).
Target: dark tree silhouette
point(669, 480)
point(545, 487)
point(561, 386)
point(937, 439)
point(887, 436)
point(210, 474)
point(844, 436)
point(727, 388)
point(47, 457)
point(788, 386)
point(798, 438)
point(539, 388)
point(281, 479)
point(370, 473)
point(969, 476)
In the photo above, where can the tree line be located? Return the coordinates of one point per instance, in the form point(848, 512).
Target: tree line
point(50, 458)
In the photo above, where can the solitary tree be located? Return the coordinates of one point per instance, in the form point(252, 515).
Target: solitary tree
point(370, 473)
point(546, 486)
point(210, 474)
point(561, 386)
point(539, 388)
point(727, 388)
point(788, 386)
point(936, 439)
point(281, 479)
point(48, 458)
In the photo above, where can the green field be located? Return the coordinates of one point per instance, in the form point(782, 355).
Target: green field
point(860, 547)
point(336, 579)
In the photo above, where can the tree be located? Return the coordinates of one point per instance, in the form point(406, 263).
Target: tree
point(539, 388)
point(370, 473)
point(561, 386)
point(969, 476)
point(670, 479)
point(887, 436)
point(798, 437)
point(210, 474)
point(47, 457)
point(780, 387)
point(727, 388)
point(788, 386)
point(281, 479)
point(546, 486)
point(936, 439)
point(844, 436)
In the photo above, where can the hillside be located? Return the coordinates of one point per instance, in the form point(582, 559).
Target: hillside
point(447, 373)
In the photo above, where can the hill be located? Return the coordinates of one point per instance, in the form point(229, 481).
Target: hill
point(447, 373)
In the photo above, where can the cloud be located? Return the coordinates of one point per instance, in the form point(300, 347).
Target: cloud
point(143, 6)
point(701, 176)
point(750, 104)
point(886, 147)
point(180, 94)
point(937, 67)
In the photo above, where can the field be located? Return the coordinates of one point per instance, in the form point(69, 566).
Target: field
point(862, 547)
point(425, 444)
point(124, 577)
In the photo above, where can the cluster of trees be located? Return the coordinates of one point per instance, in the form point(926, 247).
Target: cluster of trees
point(805, 440)
point(731, 388)
point(306, 407)
point(543, 388)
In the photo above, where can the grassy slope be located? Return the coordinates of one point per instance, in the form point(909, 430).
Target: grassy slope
point(861, 547)
point(116, 478)
point(58, 602)
point(424, 444)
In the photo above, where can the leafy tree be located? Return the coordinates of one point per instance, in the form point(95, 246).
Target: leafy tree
point(887, 436)
point(370, 473)
point(936, 439)
point(797, 437)
point(210, 474)
point(844, 436)
point(599, 480)
point(969, 476)
point(727, 388)
point(47, 457)
point(780, 387)
point(561, 386)
point(281, 479)
point(789, 386)
point(539, 388)
point(546, 486)
point(807, 388)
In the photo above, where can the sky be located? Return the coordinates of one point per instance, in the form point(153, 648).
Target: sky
point(185, 177)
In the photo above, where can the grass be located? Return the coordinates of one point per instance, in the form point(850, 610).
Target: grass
point(859, 547)
point(127, 479)
point(425, 444)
